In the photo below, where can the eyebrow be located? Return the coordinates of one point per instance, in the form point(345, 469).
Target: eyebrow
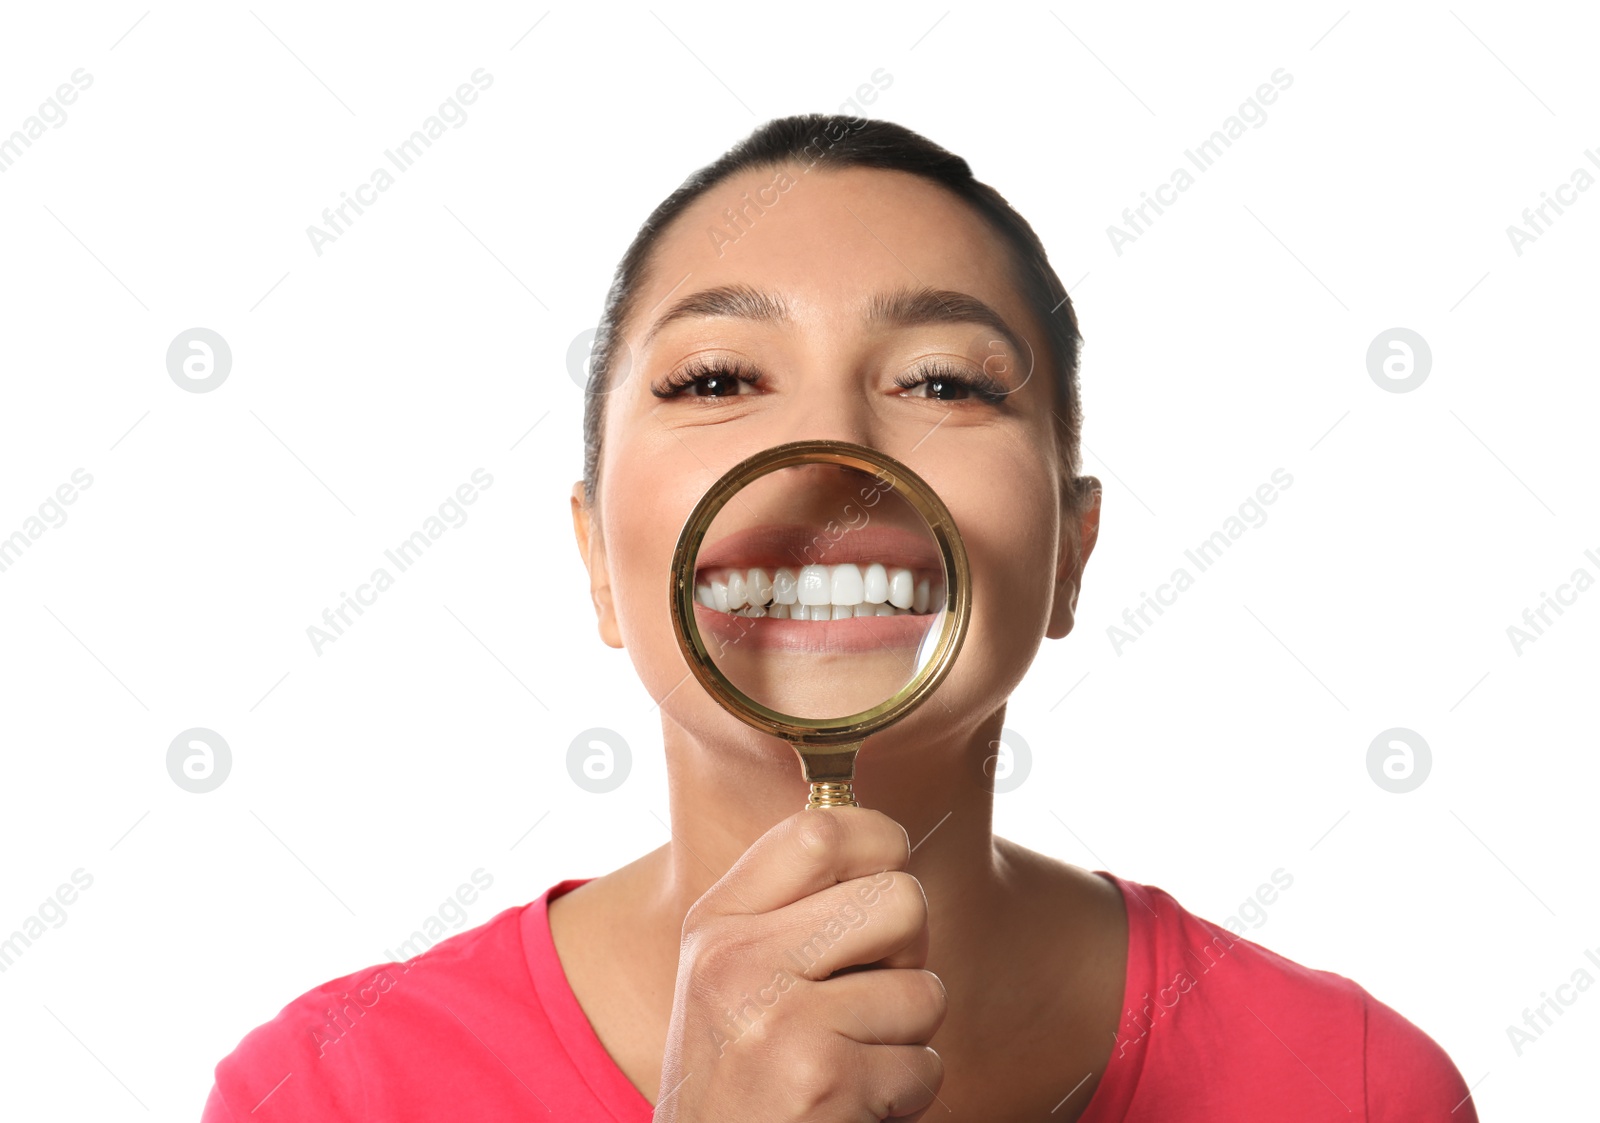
point(899, 308)
point(739, 302)
point(912, 307)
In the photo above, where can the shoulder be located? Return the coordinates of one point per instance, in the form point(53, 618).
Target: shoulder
point(1200, 993)
point(333, 1043)
point(1407, 1069)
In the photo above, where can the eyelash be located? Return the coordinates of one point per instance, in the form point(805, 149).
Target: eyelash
point(983, 386)
point(698, 370)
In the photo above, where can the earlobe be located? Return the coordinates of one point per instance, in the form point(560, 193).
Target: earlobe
point(1080, 531)
point(591, 548)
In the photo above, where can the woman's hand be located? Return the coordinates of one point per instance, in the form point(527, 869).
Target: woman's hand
point(766, 1025)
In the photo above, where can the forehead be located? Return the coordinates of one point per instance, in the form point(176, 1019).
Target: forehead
point(826, 239)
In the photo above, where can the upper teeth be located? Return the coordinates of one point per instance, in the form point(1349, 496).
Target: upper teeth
point(820, 592)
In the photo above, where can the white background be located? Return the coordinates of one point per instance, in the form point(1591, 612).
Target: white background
point(431, 339)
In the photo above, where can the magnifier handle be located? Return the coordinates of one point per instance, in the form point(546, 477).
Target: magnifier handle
point(830, 793)
point(831, 771)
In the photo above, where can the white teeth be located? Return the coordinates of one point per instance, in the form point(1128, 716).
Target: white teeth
point(901, 591)
point(758, 586)
point(821, 592)
point(785, 587)
point(875, 586)
point(815, 585)
point(846, 584)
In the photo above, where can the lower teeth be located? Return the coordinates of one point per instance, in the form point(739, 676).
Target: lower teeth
point(821, 611)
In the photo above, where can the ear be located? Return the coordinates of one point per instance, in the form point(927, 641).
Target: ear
point(591, 547)
point(1079, 531)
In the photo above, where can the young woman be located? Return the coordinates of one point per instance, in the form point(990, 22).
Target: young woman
point(846, 278)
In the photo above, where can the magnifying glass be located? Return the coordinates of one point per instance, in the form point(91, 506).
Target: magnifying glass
point(820, 591)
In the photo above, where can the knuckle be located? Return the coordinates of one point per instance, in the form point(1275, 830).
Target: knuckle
point(716, 948)
point(702, 920)
point(810, 1081)
point(928, 1071)
point(696, 918)
point(820, 836)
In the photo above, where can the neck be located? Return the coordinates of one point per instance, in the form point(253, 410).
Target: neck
point(725, 797)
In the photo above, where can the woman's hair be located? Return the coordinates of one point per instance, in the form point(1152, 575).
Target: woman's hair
point(821, 141)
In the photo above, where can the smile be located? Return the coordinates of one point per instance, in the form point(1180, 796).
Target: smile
point(821, 592)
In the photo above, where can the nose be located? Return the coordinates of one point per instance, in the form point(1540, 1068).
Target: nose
point(840, 408)
point(820, 491)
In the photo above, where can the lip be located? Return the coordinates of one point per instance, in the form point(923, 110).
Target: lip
point(855, 635)
point(794, 545)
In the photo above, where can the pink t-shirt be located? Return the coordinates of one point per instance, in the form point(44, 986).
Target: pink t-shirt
point(483, 1026)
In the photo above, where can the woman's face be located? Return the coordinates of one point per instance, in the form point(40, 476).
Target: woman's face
point(815, 254)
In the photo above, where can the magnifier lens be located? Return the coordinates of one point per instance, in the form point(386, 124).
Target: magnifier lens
point(820, 590)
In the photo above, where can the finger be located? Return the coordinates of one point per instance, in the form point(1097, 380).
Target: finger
point(863, 921)
point(806, 853)
point(904, 1079)
point(884, 1006)
point(914, 954)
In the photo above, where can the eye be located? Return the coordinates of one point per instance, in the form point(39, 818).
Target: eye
point(947, 383)
point(711, 378)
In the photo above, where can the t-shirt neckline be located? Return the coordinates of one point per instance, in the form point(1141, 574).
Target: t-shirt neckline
point(611, 1086)
point(594, 1066)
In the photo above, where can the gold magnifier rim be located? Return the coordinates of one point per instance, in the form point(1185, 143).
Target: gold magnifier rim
point(851, 728)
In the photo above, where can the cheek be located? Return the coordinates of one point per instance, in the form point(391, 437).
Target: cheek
point(1013, 573)
point(1010, 532)
point(643, 513)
